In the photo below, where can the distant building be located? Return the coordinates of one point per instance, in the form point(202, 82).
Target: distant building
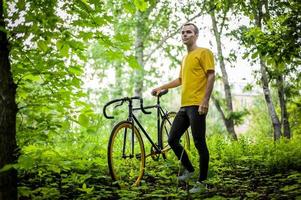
point(243, 99)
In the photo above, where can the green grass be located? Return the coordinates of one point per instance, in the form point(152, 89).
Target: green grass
point(76, 168)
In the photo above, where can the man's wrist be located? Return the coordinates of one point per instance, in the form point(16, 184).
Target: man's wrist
point(205, 101)
point(162, 87)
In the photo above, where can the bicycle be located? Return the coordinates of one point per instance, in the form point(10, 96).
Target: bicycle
point(126, 151)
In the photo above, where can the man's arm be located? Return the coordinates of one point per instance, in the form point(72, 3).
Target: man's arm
point(172, 84)
point(203, 108)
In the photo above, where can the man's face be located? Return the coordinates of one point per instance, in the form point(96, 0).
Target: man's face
point(188, 35)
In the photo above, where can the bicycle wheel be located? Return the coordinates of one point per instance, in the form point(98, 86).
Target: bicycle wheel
point(126, 155)
point(165, 129)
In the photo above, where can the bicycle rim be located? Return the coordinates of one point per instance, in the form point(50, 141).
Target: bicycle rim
point(126, 159)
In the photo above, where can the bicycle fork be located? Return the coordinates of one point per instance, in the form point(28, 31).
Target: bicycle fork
point(132, 136)
point(132, 144)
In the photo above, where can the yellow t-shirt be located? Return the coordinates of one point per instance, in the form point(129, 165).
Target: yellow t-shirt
point(193, 75)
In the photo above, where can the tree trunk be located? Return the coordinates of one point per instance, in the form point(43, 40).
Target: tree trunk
point(265, 82)
point(118, 89)
point(284, 113)
point(139, 48)
point(229, 123)
point(280, 86)
point(8, 111)
point(269, 102)
point(141, 34)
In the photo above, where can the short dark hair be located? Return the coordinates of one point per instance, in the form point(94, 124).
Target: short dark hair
point(196, 29)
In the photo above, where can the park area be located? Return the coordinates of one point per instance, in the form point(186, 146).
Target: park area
point(61, 62)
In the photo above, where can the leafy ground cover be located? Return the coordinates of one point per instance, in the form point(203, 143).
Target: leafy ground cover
point(247, 169)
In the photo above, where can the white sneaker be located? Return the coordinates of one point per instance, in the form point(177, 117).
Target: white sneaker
point(185, 176)
point(198, 187)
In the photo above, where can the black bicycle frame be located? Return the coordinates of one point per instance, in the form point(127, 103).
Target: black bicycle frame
point(160, 114)
point(132, 119)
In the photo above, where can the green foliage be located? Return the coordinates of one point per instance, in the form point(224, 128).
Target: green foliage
point(76, 167)
point(294, 106)
point(259, 122)
point(276, 39)
point(62, 135)
point(68, 167)
point(260, 152)
point(238, 116)
point(260, 163)
point(47, 61)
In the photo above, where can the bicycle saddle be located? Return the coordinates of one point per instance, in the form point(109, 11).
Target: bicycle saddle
point(161, 93)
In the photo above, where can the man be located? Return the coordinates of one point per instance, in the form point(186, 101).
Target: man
point(197, 80)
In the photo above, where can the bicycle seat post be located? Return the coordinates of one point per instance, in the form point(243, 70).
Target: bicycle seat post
point(130, 111)
point(158, 122)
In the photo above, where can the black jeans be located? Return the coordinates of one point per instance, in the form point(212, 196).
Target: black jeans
point(189, 116)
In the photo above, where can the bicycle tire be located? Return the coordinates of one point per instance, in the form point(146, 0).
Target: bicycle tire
point(164, 133)
point(126, 170)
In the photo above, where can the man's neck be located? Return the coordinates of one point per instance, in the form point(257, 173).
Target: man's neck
point(191, 47)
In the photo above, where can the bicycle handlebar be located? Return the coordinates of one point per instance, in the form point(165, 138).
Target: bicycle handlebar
point(142, 107)
point(109, 103)
point(129, 99)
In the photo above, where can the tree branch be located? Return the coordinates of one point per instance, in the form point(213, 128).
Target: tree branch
point(31, 105)
point(223, 23)
point(40, 74)
point(174, 58)
point(146, 16)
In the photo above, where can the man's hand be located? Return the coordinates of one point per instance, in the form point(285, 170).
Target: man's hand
point(171, 84)
point(203, 108)
point(156, 91)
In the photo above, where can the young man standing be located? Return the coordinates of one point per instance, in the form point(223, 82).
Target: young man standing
point(197, 80)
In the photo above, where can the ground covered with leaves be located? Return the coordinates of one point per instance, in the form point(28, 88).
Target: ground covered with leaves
point(238, 170)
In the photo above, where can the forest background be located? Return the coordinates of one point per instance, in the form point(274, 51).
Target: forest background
point(53, 135)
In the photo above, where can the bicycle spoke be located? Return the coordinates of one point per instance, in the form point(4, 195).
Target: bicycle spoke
point(124, 142)
point(167, 130)
point(166, 126)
